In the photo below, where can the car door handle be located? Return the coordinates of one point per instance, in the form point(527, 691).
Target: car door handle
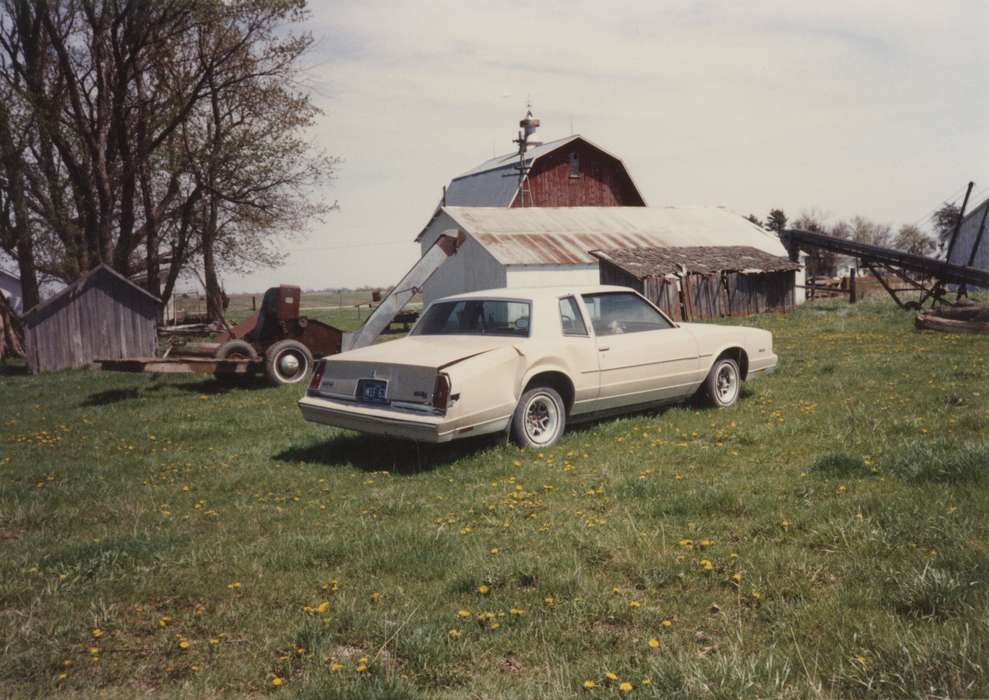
point(603, 348)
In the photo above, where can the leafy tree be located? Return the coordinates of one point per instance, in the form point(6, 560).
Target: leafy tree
point(126, 125)
point(945, 221)
point(910, 239)
point(776, 220)
point(864, 230)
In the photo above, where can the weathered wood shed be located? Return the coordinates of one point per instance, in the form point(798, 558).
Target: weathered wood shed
point(702, 282)
point(100, 316)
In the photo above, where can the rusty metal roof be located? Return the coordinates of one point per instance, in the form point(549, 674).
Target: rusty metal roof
point(704, 260)
point(566, 235)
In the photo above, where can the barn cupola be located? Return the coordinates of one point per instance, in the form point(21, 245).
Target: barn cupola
point(528, 138)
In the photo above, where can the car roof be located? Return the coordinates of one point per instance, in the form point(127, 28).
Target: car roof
point(534, 293)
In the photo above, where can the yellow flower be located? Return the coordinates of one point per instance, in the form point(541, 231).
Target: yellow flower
point(323, 607)
point(736, 578)
point(653, 643)
point(214, 642)
point(625, 687)
point(375, 597)
point(785, 525)
point(97, 633)
point(667, 623)
point(183, 644)
point(276, 681)
point(335, 667)
point(361, 668)
point(549, 602)
point(454, 633)
point(517, 611)
point(634, 604)
point(611, 676)
point(234, 586)
point(589, 684)
point(483, 590)
point(494, 551)
point(94, 650)
point(706, 564)
point(463, 614)
point(495, 625)
point(162, 621)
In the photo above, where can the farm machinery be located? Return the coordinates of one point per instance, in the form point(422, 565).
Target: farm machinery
point(276, 342)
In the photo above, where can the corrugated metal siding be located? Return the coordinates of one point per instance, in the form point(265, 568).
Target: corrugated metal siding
point(645, 262)
point(102, 316)
point(564, 235)
point(967, 235)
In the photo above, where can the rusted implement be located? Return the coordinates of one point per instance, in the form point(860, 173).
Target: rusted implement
point(921, 274)
point(965, 319)
point(276, 342)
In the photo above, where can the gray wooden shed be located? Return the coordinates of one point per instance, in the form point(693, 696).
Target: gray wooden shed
point(100, 316)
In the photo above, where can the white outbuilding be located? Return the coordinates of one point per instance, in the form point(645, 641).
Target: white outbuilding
point(10, 287)
point(548, 246)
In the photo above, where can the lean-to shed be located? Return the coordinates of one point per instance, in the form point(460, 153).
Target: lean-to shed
point(971, 248)
point(101, 315)
point(694, 283)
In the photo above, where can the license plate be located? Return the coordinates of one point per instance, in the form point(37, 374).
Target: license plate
point(372, 391)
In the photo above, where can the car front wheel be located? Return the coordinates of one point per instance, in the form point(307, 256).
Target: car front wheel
point(540, 418)
point(723, 384)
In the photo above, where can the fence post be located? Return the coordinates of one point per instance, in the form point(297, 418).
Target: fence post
point(852, 298)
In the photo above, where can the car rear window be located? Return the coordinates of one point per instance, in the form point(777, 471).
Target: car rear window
point(476, 317)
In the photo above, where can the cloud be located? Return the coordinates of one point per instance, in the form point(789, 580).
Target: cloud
point(876, 108)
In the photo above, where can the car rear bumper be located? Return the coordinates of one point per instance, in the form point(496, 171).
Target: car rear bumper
point(390, 422)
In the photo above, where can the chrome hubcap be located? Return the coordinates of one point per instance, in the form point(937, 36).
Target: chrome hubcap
point(288, 364)
point(727, 383)
point(542, 417)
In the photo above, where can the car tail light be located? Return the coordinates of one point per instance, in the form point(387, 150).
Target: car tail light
point(441, 392)
point(317, 375)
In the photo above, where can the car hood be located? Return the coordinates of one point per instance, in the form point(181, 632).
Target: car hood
point(426, 350)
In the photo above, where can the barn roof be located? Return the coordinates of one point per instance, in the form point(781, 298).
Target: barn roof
point(495, 182)
point(566, 235)
point(83, 281)
point(660, 262)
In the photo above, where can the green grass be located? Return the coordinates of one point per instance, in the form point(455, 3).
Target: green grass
point(828, 536)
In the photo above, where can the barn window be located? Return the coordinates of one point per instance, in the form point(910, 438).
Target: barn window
point(574, 165)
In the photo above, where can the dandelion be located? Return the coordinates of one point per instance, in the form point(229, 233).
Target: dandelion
point(625, 687)
point(323, 607)
point(495, 625)
point(517, 611)
point(589, 684)
point(494, 551)
point(667, 623)
point(336, 667)
point(164, 620)
point(276, 681)
point(634, 604)
point(93, 651)
point(234, 586)
point(483, 590)
point(611, 676)
point(706, 564)
point(375, 597)
point(653, 643)
point(548, 601)
point(361, 668)
point(463, 614)
point(736, 578)
point(97, 633)
point(454, 633)
point(785, 525)
point(214, 642)
point(183, 644)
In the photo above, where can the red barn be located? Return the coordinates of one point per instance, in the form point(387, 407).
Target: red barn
point(568, 172)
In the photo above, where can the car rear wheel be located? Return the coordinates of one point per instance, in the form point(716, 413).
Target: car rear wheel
point(540, 418)
point(287, 362)
point(724, 383)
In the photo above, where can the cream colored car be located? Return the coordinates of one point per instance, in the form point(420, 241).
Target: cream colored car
point(528, 361)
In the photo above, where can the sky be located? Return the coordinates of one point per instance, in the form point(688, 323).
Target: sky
point(849, 107)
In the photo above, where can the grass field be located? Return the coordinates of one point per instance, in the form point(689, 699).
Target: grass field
point(828, 536)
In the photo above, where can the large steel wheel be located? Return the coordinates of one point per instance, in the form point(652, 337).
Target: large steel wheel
point(540, 418)
point(724, 383)
point(287, 362)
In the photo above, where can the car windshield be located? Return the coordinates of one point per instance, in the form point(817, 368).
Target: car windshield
point(476, 317)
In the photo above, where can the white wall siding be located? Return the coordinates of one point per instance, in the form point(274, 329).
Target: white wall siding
point(10, 287)
point(471, 269)
point(552, 275)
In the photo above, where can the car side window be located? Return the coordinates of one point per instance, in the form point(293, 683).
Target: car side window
point(621, 312)
point(570, 318)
